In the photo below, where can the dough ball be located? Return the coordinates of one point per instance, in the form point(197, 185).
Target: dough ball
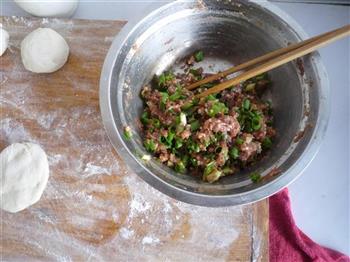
point(24, 174)
point(4, 41)
point(48, 8)
point(44, 51)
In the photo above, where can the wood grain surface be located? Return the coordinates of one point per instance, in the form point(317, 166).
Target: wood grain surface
point(94, 209)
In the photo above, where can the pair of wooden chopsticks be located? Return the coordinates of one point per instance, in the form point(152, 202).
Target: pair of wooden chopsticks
point(270, 61)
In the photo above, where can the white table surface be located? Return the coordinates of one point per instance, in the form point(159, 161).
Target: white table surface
point(320, 197)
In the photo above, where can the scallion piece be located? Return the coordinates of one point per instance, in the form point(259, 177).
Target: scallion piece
point(234, 152)
point(217, 108)
point(127, 133)
point(178, 143)
point(156, 123)
point(239, 141)
point(164, 99)
point(199, 56)
point(249, 87)
point(195, 125)
point(180, 167)
point(266, 143)
point(150, 145)
point(255, 177)
point(246, 104)
point(183, 120)
point(209, 168)
point(144, 118)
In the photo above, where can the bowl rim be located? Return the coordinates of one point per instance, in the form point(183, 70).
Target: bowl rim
point(196, 198)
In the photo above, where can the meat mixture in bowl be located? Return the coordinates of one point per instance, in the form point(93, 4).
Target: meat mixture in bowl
point(209, 137)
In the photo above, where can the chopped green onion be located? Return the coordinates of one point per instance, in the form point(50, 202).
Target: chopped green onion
point(187, 106)
point(161, 80)
point(177, 120)
point(167, 141)
point(210, 97)
point(195, 125)
point(175, 96)
point(156, 123)
point(183, 120)
point(169, 76)
point(194, 162)
point(250, 120)
point(144, 118)
point(224, 152)
point(217, 108)
point(249, 87)
point(207, 142)
point(213, 176)
point(193, 147)
point(170, 110)
point(150, 145)
point(146, 158)
point(179, 128)
point(185, 159)
point(239, 141)
point(163, 100)
point(199, 56)
point(234, 152)
point(196, 73)
point(127, 133)
point(256, 123)
point(227, 170)
point(174, 151)
point(209, 168)
point(255, 177)
point(266, 143)
point(180, 167)
point(178, 143)
point(171, 135)
point(246, 104)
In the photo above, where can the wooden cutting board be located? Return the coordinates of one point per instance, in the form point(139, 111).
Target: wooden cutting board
point(93, 208)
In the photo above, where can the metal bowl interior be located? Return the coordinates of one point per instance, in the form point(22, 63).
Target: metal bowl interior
point(229, 34)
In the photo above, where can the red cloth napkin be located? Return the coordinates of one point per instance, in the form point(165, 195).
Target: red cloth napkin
point(287, 242)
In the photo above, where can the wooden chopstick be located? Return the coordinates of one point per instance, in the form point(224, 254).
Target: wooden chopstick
point(281, 59)
point(256, 61)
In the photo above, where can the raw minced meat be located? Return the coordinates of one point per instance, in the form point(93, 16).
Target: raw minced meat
point(212, 136)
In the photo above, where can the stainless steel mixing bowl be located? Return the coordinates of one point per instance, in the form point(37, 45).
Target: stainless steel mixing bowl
point(229, 32)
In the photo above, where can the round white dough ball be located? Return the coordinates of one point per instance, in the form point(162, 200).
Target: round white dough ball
point(49, 8)
point(44, 51)
point(24, 174)
point(4, 41)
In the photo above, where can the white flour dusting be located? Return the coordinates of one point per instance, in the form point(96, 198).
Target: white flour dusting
point(91, 169)
point(13, 131)
point(150, 240)
point(92, 209)
point(126, 233)
point(138, 205)
point(46, 119)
